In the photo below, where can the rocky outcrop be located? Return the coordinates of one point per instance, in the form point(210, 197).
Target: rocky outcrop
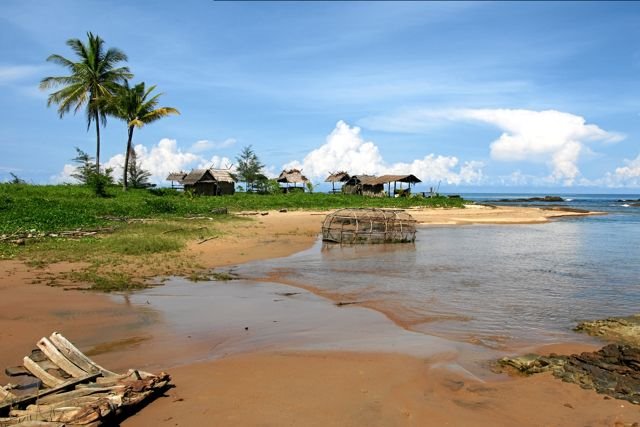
point(622, 330)
point(613, 370)
point(534, 199)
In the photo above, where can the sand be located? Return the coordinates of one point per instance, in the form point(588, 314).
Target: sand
point(254, 382)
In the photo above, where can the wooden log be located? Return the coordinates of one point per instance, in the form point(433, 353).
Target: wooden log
point(6, 395)
point(64, 386)
point(78, 393)
point(76, 356)
point(59, 359)
point(37, 371)
point(14, 371)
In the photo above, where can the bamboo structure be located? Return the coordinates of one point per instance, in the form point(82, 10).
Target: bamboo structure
point(369, 225)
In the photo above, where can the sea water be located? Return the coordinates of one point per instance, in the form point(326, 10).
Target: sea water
point(500, 286)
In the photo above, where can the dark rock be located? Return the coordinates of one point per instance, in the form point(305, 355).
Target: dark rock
point(613, 370)
point(534, 199)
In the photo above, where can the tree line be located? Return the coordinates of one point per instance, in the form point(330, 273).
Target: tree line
point(98, 84)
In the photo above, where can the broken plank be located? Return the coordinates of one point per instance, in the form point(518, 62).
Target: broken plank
point(64, 386)
point(76, 356)
point(59, 359)
point(37, 371)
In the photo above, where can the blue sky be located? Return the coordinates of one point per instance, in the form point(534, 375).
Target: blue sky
point(539, 96)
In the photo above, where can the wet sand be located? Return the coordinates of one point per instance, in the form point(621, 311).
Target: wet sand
point(319, 369)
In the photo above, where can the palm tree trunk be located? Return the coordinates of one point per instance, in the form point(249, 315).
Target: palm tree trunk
point(126, 161)
point(97, 119)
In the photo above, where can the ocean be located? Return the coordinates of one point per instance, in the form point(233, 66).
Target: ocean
point(498, 286)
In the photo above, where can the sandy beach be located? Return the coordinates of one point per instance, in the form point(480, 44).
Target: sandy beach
point(357, 367)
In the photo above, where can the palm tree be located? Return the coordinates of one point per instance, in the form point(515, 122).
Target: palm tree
point(92, 79)
point(137, 107)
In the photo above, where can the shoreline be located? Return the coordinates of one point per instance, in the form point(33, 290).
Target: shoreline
point(276, 387)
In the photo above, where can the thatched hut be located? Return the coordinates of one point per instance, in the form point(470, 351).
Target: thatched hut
point(176, 179)
point(369, 225)
point(366, 185)
point(292, 176)
point(402, 179)
point(337, 177)
point(209, 182)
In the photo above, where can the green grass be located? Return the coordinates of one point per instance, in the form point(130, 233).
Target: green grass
point(148, 228)
point(45, 209)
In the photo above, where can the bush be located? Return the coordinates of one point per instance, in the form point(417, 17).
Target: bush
point(99, 182)
point(161, 205)
point(160, 192)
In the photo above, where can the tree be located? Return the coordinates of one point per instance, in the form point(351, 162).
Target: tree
point(15, 179)
point(138, 177)
point(136, 107)
point(249, 166)
point(87, 173)
point(92, 80)
point(85, 167)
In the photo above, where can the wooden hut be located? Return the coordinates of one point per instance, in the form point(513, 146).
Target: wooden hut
point(337, 177)
point(209, 182)
point(402, 179)
point(292, 176)
point(176, 179)
point(366, 185)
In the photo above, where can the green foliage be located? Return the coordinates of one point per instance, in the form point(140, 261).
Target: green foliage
point(138, 177)
point(15, 179)
point(249, 167)
point(68, 207)
point(93, 79)
point(86, 166)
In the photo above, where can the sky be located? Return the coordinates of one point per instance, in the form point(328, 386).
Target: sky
point(470, 97)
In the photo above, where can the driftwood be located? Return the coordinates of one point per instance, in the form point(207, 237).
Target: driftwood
point(21, 237)
point(73, 389)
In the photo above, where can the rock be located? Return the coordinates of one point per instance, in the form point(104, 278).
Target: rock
point(535, 199)
point(614, 370)
point(621, 330)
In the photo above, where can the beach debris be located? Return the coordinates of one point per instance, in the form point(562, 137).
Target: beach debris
point(369, 225)
point(220, 211)
point(20, 238)
point(61, 386)
point(614, 370)
point(283, 211)
point(621, 330)
point(288, 294)
point(342, 303)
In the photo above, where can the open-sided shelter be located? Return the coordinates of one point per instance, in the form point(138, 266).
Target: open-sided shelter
point(366, 185)
point(292, 176)
point(337, 177)
point(402, 179)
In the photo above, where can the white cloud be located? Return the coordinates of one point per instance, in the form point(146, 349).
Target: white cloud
point(205, 145)
point(345, 149)
point(160, 160)
point(64, 177)
point(624, 176)
point(552, 137)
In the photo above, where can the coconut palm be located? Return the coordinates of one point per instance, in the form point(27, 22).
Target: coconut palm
point(93, 78)
point(136, 106)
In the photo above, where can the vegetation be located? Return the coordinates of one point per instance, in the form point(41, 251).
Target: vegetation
point(140, 230)
point(137, 107)
point(93, 79)
point(87, 173)
point(249, 168)
point(138, 177)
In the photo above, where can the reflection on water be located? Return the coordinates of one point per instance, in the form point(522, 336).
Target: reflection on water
point(492, 285)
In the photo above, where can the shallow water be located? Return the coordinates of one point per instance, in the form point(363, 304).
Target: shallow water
point(498, 286)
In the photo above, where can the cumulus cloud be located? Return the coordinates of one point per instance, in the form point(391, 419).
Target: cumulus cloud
point(624, 176)
point(160, 160)
point(552, 137)
point(346, 149)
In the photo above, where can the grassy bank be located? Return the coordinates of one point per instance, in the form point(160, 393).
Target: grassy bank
point(65, 207)
point(141, 233)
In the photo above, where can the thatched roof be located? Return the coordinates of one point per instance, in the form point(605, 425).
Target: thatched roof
point(222, 175)
point(203, 175)
point(412, 179)
point(338, 177)
point(363, 179)
point(176, 176)
point(292, 176)
point(196, 175)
